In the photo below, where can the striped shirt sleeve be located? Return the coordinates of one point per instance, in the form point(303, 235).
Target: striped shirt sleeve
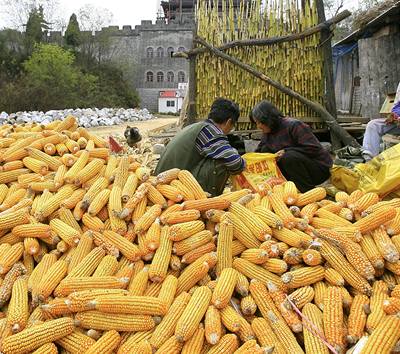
point(212, 143)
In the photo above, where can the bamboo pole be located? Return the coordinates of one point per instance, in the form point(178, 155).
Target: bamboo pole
point(274, 40)
point(332, 124)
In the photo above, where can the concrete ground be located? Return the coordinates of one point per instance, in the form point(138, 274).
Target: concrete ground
point(143, 126)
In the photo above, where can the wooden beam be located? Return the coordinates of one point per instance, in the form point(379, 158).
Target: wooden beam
point(332, 124)
point(273, 40)
point(329, 85)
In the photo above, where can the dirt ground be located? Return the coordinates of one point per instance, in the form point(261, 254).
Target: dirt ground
point(143, 126)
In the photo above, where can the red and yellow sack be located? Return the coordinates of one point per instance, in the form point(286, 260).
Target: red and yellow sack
point(260, 167)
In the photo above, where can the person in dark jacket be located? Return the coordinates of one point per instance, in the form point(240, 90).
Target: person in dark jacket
point(203, 149)
point(300, 156)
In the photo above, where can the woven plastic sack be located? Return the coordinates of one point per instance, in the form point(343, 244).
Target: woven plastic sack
point(380, 175)
point(260, 167)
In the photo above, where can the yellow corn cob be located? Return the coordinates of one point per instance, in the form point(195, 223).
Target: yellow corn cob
point(344, 268)
point(265, 335)
point(167, 176)
point(213, 325)
point(195, 254)
point(224, 247)
point(303, 276)
point(76, 342)
point(49, 149)
point(159, 266)
point(50, 280)
point(327, 215)
point(88, 264)
point(168, 290)
point(225, 287)
point(18, 309)
point(167, 326)
point(149, 217)
point(342, 197)
point(384, 337)
point(187, 193)
point(11, 219)
point(290, 193)
point(357, 318)
point(364, 202)
point(253, 271)
point(48, 348)
point(192, 242)
point(152, 239)
point(68, 160)
point(391, 306)
point(107, 266)
point(171, 346)
point(312, 343)
point(81, 300)
point(268, 217)
point(67, 233)
point(191, 184)
point(195, 343)
point(32, 230)
point(370, 249)
point(293, 256)
point(135, 305)
point(248, 305)
point(93, 223)
point(89, 171)
point(106, 344)
point(84, 247)
point(52, 162)
point(333, 277)
point(13, 175)
point(242, 232)
point(375, 219)
point(283, 332)
point(193, 313)
point(255, 255)
point(31, 245)
point(129, 187)
point(230, 319)
point(379, 295)
point(34, 337)
point(291, 238)
point(312, 257)
point(10, 257)
point(279, 298)
point(276, 266)
point(333, 318)
point(129, 343)
point(194, 273)
point(36, 166)
point(66, 216)
point(118, 322)
point(129, 250)
point(184, 230)
point(73, 200)
point(228, 344)
point(170, 192)
point(312, 196)
point(99, 202)
point(180, 217)
point(385, 245)
point(69, 285)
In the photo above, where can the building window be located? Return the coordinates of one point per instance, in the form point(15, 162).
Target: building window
point(170, 50)
point(181, 76)
point(149, 76)
point(170, 76)
point(160, 76)
point(160, 52)
point(181, 49)
point(150, 52)
point(170, 103)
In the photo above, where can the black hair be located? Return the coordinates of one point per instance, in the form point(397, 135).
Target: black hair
point(266, 113)
point(222, 110)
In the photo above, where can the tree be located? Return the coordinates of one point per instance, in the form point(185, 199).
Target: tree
point(73, 34)
point(17, 12)
point(93, 18)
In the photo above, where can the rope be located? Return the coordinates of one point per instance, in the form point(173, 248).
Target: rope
point(312, 328)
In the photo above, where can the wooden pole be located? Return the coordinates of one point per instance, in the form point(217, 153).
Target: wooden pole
point(330, 121)
point(191, 109)
point(273, 40)
point(329, 85)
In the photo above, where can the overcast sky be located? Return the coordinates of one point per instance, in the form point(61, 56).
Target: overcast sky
point(126, 12)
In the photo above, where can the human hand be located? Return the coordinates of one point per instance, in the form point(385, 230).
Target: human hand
point(279, 154)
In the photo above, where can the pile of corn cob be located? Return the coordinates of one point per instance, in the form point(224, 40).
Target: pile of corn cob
point(97, 256)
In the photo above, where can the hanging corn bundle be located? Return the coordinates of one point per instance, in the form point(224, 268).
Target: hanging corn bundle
point(297, 64)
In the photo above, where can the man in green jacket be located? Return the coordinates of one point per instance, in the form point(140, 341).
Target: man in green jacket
point(204, 150)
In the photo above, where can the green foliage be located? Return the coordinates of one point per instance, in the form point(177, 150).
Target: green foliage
point(34, 28)
point(52, 80)
point(73, 34)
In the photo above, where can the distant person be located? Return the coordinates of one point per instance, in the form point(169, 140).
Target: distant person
point(300, 156)
point(203, 148)
point(378, 127)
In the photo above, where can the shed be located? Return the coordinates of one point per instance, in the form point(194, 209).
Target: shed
point(367, 62)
